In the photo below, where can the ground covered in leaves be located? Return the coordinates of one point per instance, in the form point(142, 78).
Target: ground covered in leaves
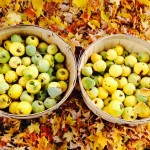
point(79, 23)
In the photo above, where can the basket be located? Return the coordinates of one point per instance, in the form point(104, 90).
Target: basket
point(49, 37)
point(131, 44)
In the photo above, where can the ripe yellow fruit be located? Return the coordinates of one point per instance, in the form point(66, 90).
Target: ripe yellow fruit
point(129, 89)
point(141, 68)
point(111, 54)
point(102, 93)
point(126, 71)
point(118, 95)
point(17, 49)
point(142, 110)
point(33, 86)
point(11, 76)
point(115, 70)
point(20, 70)
point(95, 57)
point(130, 61)
point(121, 82)
point(119, 49)
point(12, 107)
point(15, 91)
point(23, 81)
point(119, 60)
point(5, 101)
point(130, 101)
point(98, 102)
point(99, 66)
point(23, 108)
point(110, 84)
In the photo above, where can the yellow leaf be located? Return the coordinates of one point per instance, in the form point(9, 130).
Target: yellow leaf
point(56, 124)
point(80, 3)
point(145, 24)
point(101, 141)
point(34, 127)
point(5, 3)
point(17, 6)
point(18, 139)
point(2, 4)
point(94, 23)
point(68, 135)
point(148, 126)
point(145, 2)
point(13, 18)
point(43, 142)
point(105, 16)
point(70, 120)
point(125, 15)
point(139, 145)
point(38, 7)
point(6, 138)
point(92, 138)
point(99, 126)
point(115, 1)
point(58, 1)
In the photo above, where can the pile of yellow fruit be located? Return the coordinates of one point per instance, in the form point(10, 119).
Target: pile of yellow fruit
point(118, 82)
point(33, 75)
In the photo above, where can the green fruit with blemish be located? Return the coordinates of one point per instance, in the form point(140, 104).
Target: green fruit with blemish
point(49, 102)
point(59, 57)
point(26, 96)
point(4, 56)
point(38, 106)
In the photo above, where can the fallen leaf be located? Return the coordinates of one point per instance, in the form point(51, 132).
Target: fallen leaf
point(38, 7)
point(70, 121)
point(68, 136)
point(6, 138)
point(101, 141)
point(99, 126)
point(34, 127)
point(115, 1)
point(5, 3)
point(80, 3)
point(43, 142)
point(13, 18)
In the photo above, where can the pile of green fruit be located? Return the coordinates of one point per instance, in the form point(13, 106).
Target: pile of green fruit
point(115, 79)
point(33, 75)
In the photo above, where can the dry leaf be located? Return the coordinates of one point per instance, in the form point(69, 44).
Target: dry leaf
point(80, 3)
point(101, 141)
point(13, 18)
point(68, 136)
point(34, 128)
point(5, 3)
point(38, 7)
point(70, 121)
point(115, 1)
point(6, 138)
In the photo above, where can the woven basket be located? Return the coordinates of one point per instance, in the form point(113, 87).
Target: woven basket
point(131, 44)
point(49, 37)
